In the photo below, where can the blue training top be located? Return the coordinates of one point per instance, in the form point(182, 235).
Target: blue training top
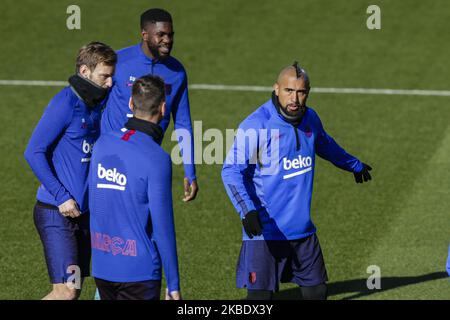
point(132, 64)
point(272, 171)
point(132, 224)
point(60, 148)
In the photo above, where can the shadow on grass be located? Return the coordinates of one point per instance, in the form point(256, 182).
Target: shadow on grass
point(359, 287)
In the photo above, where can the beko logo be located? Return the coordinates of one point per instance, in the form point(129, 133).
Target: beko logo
point(304, 163)
point(87, 150)
point(117, 179)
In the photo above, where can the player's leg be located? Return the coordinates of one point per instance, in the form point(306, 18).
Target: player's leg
point(62, 291)
point(257, 268)
point(308, 267)
point(318, 292)
point(141, 290)
point(259, 294)
point(60, 250)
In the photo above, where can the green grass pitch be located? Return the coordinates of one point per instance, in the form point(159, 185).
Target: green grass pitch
point(399, 221)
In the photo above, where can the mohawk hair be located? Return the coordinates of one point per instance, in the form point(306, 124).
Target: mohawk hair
point(298, 69)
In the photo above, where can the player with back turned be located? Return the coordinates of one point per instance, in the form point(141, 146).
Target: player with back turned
point(130, 189)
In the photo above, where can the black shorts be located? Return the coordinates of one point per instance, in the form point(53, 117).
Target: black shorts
point(142, 290)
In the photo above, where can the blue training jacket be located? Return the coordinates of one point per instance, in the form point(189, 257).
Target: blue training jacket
point(132, 224)
point(60, 148)
point(272, 170)
point(132, 64)
point(448, 261)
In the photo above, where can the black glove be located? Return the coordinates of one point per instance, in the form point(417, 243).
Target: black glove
point(252, 224)
point(363, 174)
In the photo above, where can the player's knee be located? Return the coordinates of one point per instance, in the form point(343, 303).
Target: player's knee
point(65, 293)
point(318, 292)
point(73, 294)
point(259, 294)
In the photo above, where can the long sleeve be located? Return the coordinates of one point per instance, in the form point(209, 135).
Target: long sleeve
point(182, 120)
point(238, 169)
point(161, 211)
point(328, 149)
point(448, 261)
point(52, 124)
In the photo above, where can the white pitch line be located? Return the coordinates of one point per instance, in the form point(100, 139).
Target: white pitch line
point(219, 87)
point(412, 92)
point(33, 83)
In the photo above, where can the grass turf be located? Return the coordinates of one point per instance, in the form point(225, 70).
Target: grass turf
point(399, 221)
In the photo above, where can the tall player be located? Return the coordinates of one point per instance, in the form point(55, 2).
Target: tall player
point(152, 56)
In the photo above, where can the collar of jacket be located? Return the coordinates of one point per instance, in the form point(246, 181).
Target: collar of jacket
point(295, 121)
point(147, 127)
point(88, 91)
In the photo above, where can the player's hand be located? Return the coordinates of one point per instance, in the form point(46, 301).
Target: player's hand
point(252, 224)
point(363, 174)
point(173, 295)
point(69, 209)
point(190, 191)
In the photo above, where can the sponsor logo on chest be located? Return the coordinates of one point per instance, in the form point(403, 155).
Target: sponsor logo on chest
point(130, 81)
point(302, 163)
point(87, 147)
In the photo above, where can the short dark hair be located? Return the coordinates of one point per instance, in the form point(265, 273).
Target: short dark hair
point(155, 15)
point(95, 53)
point(148, 94)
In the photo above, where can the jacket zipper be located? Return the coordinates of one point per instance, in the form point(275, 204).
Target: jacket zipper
point(297, 140)
point(153, 65)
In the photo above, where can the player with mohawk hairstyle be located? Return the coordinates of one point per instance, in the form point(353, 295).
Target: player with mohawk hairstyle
point(297, 69)
point(279, 238)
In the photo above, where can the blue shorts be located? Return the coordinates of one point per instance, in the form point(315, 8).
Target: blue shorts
point(66, 242)
point(263, 264)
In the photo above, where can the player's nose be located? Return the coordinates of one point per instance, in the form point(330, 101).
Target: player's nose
point(167, 39)
point(108, 83)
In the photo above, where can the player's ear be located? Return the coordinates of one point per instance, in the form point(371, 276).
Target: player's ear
point(84, 71)
point(163, 108)
point(130, 104)
point(144, 35)
point(276, 87)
